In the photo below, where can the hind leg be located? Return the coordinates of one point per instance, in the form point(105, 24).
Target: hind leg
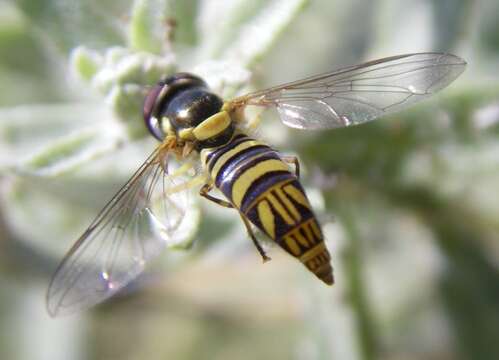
point(204, 192)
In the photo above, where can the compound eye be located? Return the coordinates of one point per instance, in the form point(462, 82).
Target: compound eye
point(150, 111)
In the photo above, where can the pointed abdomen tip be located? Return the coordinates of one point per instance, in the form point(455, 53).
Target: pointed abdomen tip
point(326, 274)
point(328, 279)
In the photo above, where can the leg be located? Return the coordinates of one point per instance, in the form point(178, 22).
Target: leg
point(254, 123)
point(196, 181)
point(204, 193)
point(293, 160)
point(265, 258)
point(183, 169)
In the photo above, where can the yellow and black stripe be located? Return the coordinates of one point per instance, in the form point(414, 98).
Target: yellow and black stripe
point(255, 180)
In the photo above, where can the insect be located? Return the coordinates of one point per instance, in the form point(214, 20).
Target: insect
point(193, 125)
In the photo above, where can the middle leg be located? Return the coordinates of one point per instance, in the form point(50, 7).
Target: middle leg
point(290, 159)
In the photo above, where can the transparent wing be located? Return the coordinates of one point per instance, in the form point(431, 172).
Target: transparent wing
point(143, 217)
point(360, 93)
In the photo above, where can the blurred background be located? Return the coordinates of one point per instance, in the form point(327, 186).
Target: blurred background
point(409, 204)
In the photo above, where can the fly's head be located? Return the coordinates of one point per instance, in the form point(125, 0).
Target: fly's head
point(182, 105)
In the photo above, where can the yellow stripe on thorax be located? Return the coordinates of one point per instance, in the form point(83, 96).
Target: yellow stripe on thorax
point(212, 126)
point(244, 181)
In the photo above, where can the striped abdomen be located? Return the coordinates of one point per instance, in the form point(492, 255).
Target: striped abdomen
point(256, 181)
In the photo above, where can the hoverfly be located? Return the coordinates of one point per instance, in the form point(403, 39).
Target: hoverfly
point(190, 122)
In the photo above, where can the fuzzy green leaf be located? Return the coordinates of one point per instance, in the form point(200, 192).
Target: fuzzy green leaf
point(256, 36)
point(247, 30)
point(64, 155)
point(148, 29)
